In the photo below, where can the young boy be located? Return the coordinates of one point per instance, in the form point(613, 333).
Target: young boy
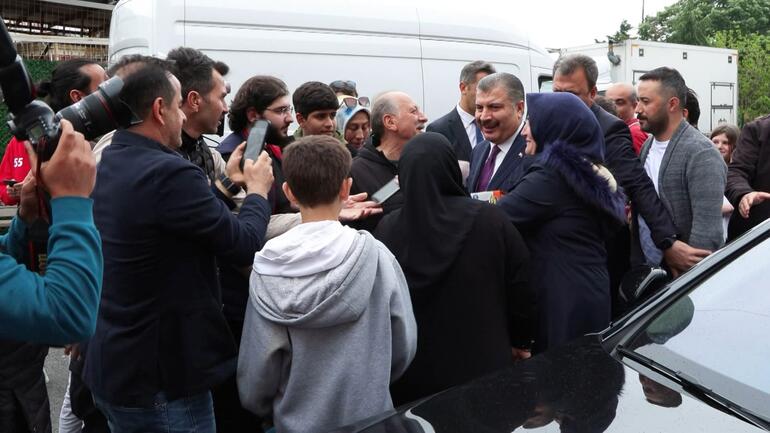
point(329, 324)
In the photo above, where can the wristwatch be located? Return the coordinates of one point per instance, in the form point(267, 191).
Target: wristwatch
point(668, 242)
point(232, 188)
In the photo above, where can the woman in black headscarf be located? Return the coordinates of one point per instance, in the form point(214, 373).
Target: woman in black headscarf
point(465, 265)
point(564, 206)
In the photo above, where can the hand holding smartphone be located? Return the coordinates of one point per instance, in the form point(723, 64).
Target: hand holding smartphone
point(256, 141)
point(386, 191)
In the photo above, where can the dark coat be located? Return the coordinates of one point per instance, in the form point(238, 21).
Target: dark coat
point(749, 171)
point(563, 210)
point(371, 170)
point(451, 126)
point(466, 269)
point(509, 172)
point(160, 324)
point(488, 284)
point(24, 405)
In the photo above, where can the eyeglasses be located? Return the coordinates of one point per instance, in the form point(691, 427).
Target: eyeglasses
point(281, 111)
point(351, 102)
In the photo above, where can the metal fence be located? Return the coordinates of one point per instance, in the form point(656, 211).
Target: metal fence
point(46, 32)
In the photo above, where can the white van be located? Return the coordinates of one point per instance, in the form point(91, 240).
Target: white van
point(711, 72)
point(380, 47)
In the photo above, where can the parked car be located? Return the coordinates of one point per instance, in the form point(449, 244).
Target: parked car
point(692, 358)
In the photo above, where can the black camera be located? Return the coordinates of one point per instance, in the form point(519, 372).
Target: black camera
point(33, 120)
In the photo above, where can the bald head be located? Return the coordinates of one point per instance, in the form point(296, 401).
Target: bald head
point(395, 115)
point(624, 97)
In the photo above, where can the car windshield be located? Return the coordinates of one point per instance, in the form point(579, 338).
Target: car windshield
point(718, 333)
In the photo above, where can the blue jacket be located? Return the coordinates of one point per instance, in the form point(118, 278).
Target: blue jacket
point(60, 307)
point(160, 325)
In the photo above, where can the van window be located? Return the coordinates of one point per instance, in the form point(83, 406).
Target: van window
point(545, 84)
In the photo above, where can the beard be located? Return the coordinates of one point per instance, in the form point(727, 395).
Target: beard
point(277, 137)
point(655, 124)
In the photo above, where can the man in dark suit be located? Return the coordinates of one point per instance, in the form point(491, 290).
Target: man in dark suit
point(577, 74)
point(495, 163)
point(459, 125)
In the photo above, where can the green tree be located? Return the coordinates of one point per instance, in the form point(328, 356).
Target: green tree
point(697, 22)
point(753, 72)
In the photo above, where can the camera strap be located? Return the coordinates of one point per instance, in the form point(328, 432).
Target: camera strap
point(37, 246)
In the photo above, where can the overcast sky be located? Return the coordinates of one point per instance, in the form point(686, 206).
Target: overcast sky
point(566, 23)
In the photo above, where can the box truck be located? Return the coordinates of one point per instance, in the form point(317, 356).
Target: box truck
point(711, 72)
point(379, 46)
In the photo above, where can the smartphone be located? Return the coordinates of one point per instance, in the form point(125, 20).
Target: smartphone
point(10, 182)
point(386, 191)
point(256, 141)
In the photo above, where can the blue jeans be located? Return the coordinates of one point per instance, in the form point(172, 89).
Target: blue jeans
point(193, 414)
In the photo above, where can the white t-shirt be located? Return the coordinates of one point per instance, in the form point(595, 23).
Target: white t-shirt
point(653, 161)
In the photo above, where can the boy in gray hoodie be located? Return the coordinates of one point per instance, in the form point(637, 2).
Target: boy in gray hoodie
point(329, 323)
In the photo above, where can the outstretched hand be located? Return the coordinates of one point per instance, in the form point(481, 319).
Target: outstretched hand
point(751, 199)
point(356, 207)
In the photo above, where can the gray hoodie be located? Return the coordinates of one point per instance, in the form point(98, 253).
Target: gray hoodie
point(328, 327)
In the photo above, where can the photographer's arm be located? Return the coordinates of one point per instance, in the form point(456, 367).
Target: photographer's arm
point(61, 306)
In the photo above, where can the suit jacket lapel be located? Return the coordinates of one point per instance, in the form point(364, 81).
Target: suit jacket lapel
point(456, 123)
point(669, 152)
point(508, 166)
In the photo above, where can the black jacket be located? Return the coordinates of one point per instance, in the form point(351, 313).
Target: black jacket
point(451, 126)
point(749, 171)
point(371, 170)
point(160, 324)
point(23, 392)
point(564, 220)
point(629, 172)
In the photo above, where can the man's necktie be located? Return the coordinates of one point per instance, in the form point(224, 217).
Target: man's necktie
point(488, 169)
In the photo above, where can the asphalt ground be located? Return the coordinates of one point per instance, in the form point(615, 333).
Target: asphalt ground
point(56, 366)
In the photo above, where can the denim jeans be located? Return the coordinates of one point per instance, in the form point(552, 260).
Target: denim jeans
point(193, 414)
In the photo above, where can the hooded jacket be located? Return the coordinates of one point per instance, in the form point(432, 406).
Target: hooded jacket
point(328, 327)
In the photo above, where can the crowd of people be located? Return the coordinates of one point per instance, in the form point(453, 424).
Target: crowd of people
point(249, 295)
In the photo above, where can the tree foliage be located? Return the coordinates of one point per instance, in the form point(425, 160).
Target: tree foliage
point(743, 25)
point(697, 22)
point(753, 72)
point(623, 33)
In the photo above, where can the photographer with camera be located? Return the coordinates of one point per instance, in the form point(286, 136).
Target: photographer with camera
point(71, 81)
point(161, 340)
point(60, 306)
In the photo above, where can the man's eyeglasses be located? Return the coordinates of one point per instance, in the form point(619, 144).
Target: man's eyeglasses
point(351, 102)
point(281, 111)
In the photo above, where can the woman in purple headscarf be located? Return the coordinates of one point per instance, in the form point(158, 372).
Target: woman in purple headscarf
point(563, 206)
